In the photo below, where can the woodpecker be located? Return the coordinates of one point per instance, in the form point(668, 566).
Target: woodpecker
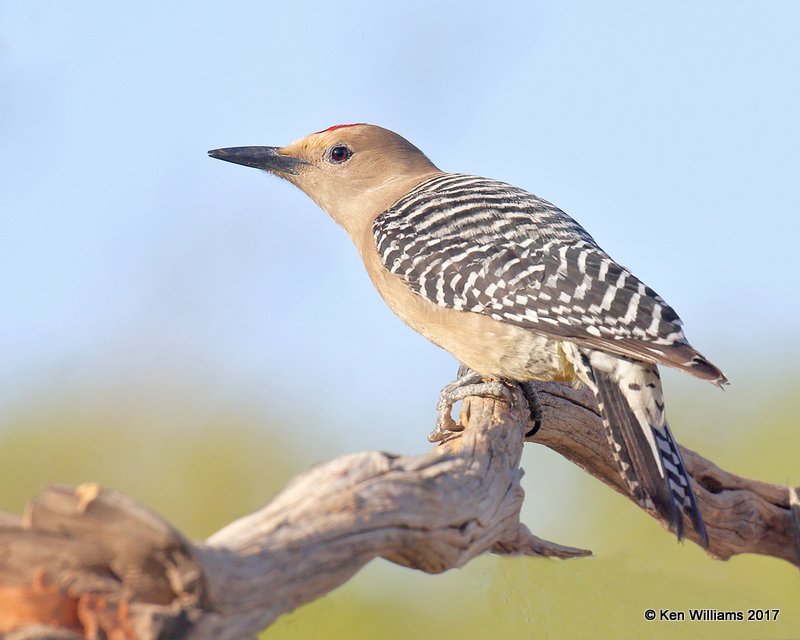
point(510, 285)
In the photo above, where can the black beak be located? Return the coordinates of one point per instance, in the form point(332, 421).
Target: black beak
point(266, 158)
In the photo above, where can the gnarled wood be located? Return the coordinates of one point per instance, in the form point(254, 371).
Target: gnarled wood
point(741, 515)
point(90, 562)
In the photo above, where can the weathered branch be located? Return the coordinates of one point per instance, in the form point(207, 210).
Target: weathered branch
point(92, 563)
point(741, 515)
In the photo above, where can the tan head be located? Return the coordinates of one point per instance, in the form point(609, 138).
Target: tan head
point(354, 172)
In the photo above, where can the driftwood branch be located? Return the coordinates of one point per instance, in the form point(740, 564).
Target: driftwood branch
point(91, 563)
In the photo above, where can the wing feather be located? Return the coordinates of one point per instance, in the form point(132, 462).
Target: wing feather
point(484, 246)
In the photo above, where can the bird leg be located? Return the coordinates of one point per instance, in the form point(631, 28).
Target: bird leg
point(471, 383)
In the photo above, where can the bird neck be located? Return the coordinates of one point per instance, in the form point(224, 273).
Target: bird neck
point(358, 212)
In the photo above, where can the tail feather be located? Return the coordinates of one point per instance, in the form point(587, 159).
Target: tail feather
point(678, 479)
point(630, 401)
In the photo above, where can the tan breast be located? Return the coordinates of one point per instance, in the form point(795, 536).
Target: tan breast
point(488, 346)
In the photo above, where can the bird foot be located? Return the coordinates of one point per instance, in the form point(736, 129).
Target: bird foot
point(471, 383)
point(534, 406)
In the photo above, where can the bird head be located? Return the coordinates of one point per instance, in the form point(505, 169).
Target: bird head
point(353, 171)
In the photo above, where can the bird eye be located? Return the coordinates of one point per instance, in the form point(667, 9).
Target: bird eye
point(340, 153)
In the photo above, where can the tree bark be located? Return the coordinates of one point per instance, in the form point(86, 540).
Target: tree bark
point(92, 563)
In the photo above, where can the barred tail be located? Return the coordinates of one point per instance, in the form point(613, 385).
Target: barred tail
point(678, 480)
point(630, 401)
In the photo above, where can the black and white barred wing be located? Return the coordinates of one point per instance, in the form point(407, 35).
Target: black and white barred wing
point(480, 245)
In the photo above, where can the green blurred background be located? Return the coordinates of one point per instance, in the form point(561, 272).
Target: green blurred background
point(194, 335)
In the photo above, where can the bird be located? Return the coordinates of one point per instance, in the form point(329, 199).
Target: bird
point(511, 286)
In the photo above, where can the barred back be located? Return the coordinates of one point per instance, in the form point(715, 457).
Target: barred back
point(480, 245)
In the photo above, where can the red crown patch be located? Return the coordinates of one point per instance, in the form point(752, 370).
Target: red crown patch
point(340, 126)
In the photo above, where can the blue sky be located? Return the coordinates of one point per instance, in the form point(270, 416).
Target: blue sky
point(669, 130)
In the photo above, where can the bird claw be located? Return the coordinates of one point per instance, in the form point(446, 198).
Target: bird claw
point(535, 407)
point(452, 393)
point(471, 383)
